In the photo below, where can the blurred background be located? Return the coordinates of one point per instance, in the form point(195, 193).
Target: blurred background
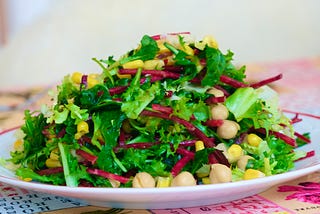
point(43, 40)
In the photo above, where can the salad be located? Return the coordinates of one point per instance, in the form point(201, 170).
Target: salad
point(172, 112)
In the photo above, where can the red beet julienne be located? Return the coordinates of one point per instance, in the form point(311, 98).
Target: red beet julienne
point(237, 84)
point(108, 175)
point(290, 141)
point(89, 157)
point(161, 73)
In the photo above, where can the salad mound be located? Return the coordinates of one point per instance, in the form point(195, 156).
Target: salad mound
point(172, 112)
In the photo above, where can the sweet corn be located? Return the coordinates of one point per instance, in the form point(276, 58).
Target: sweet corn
point(76, 77)
point(254, 140)
point(54, 155)
point(163, 182)
point(234, 153)
point(153, 64)
point(188, 50)
point(27, 179)
point(206, 180)
point(122, 76)
point(83, 127)
point(199, 145)
point(133, 64)
point(92, 80)
point(210, 41)
point(162, 48)
point(18, 145)
point(252, 174)
point(52, 163)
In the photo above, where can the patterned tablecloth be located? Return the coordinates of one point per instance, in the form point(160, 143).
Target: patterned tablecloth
point(299, 91)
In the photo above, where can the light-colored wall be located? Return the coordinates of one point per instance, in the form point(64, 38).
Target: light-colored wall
point(71, 32)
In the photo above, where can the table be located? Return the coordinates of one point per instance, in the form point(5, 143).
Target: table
point(299, 90)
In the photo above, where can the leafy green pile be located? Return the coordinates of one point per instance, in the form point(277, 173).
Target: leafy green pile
point(145, 112)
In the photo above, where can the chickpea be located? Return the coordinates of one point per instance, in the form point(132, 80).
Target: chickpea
point(216, 92)
point(143, 180)
point(184, 179)
point(220, 173)
point(228, 129)
point(219, 112)
point(243, 161)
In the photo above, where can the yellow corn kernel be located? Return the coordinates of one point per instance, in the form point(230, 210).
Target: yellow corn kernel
point(210, 41)
point(162, 48)
point(52, 163)
point(54, 154)
point(199, 145)
point(153, 64)
point(122, 76)
point(78, 135)
point(254, 140)
point(188, 50)
point(234, 153)
point(92, 80)
point(252, 174)
point(18, 145)
point(27, 179)
point(76, 77)
point(163, 182)
point(133, 64)
point(83, 127)
point(206, 180)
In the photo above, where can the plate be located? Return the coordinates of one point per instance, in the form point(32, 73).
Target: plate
point(173, 197)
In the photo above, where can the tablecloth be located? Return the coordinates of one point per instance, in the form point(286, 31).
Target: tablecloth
point(299, 91)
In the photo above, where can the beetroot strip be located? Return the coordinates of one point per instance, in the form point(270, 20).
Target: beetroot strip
point(308, 155)
point(295, 119)
point(117, 90)
point(176, 169)
point(266, 81)
point(301, 113)
point(50, 171)
point(232, 82)
point(187, 143)
point(141, 145)
point(301, 137)
point(89, 157)
point(290, 141)
point(213, 100)
point(107, 175)
point(213, 123)
point(185, 152)
point(162, 73)
point(161, 108)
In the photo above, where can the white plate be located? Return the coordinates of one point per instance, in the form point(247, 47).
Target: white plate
point(173, 197)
